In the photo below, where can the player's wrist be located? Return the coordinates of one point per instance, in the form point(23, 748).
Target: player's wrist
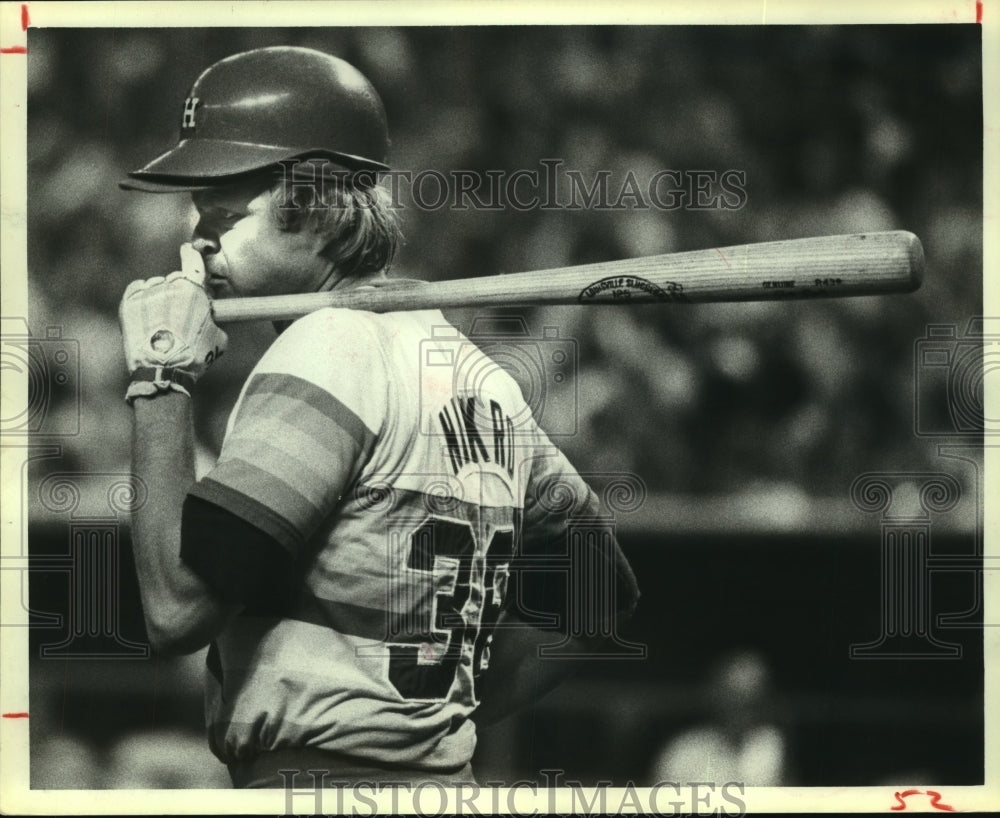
point(152, 381)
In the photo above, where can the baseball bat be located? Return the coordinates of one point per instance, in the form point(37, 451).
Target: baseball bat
point(822, 267)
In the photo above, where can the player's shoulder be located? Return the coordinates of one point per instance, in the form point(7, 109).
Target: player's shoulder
point(330, 322)
point(329, 334)
point(360, 325)
point(325, 345)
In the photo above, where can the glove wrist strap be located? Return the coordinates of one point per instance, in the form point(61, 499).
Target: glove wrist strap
point(148, 381)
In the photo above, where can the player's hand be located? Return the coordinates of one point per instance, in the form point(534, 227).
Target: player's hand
point(167, 322)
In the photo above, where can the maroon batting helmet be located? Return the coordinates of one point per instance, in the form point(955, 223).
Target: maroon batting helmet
point(252, 110)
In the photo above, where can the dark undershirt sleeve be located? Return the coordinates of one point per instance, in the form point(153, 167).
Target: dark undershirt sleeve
point(546, 591)
point(559, 500)
point(237, 560)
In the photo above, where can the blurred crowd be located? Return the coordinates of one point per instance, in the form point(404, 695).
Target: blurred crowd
point(831, 126)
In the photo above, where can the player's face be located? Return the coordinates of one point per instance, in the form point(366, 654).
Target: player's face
point(246, 253)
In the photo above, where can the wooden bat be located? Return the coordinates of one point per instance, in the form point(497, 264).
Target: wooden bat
point(823, 267)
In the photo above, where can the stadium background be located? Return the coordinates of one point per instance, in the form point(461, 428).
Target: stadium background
point(746, 424)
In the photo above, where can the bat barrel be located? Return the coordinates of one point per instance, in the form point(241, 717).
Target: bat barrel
point(824, 267)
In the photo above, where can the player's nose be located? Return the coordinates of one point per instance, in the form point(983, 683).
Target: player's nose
point(204, 239)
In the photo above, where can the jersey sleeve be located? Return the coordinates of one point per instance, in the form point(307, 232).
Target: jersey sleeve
point(305, 425)
point(563, 526)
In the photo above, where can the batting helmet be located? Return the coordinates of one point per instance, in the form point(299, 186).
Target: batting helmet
point(252, 110)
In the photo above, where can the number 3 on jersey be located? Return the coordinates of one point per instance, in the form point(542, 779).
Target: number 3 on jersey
point(462, 614)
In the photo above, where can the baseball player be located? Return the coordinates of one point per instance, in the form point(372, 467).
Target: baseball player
point(362, 550)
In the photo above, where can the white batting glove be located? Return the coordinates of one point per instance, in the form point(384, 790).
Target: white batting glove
point(169, 336)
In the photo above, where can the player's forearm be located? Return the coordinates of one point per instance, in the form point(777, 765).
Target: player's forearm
point(181, 613)
point(518, 677)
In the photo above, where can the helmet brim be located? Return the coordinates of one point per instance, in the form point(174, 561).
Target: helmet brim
point(166, 186)
point(201, 164)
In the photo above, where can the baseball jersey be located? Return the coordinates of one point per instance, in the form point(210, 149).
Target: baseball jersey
point(393, 463)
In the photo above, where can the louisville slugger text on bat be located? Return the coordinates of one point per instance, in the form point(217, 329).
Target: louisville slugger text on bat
point(821, 267)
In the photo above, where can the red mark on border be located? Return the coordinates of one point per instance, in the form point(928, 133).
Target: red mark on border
point(25, 22)
point(934, 796)
point(717, 250)
point(15, 715)
point(979, 11)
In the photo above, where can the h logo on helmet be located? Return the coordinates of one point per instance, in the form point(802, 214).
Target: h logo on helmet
point(187, 120)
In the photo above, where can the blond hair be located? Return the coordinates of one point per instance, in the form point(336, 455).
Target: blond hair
point(361, 227)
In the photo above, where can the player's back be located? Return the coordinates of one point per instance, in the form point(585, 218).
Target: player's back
point(404, 572)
